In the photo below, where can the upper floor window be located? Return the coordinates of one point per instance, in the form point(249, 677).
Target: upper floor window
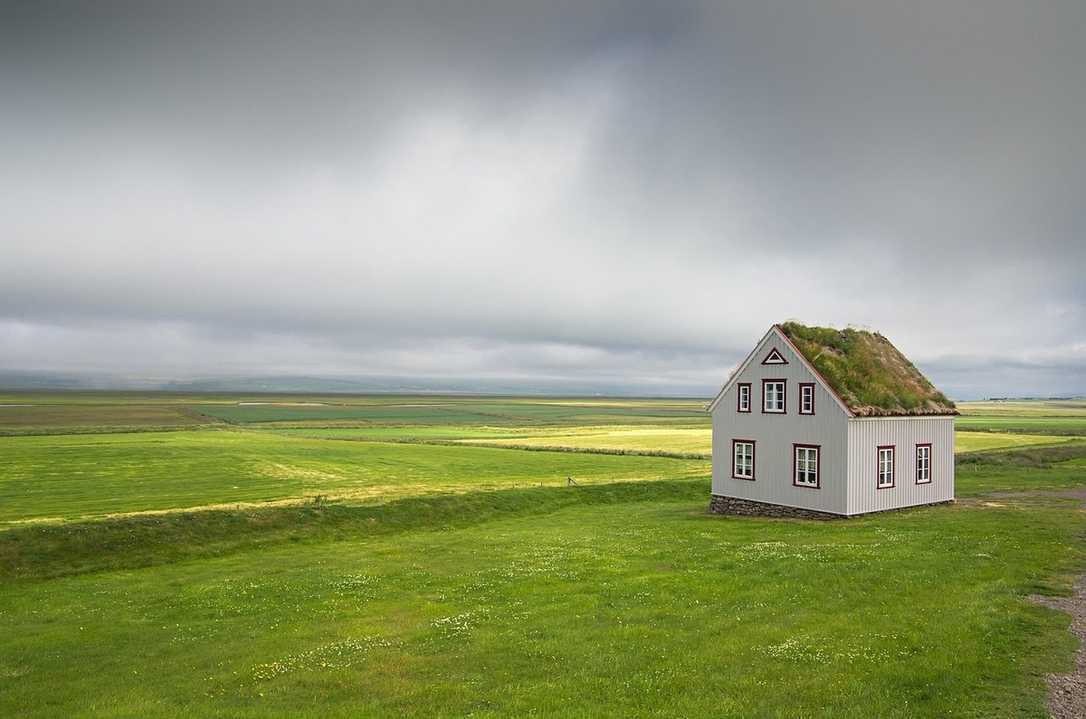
point(743, 400)
point(923, 463)
point(886, 467)
point(806, 398)
point(743, 458)
point(805, 465)
point(773, 396)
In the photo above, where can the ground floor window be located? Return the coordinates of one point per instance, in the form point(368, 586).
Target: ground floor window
point(886, 467)
point(923, 463)
point(743, 458)
point(805, 465)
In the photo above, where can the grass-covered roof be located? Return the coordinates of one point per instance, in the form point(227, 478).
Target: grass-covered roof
point(867, 372)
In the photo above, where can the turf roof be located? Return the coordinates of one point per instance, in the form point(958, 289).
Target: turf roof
point(868, 373)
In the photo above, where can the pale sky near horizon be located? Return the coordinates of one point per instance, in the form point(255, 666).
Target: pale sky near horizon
point(545, 192)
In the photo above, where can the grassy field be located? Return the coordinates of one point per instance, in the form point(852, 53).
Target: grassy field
point(683, 442)
point(385, 565)
point(605, 600)
point(1056, 417)
point(1025, 408)
point(978, 441)
point(71, 476)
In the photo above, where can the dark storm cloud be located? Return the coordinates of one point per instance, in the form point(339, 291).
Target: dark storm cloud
point(629, 192)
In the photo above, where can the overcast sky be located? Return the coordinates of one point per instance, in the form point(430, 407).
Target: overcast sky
point(545, 191)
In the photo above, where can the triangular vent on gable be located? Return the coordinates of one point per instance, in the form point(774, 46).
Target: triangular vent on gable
point(774, 357)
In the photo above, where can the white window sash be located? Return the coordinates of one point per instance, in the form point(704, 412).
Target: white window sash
point(806, 466)
point(886, 467)
point(744, 460)
point(923, 464)
point(773, 400)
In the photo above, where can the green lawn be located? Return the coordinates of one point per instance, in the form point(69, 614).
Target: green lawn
point(671, 440)
point(598, 601)
point(1025, 408)
point(406, 574)
point(20, 418)
point(70, 476)
point(408, 432)
point(1034, 425)
point(510, 412)
point(1059, 417)
point(978, 441)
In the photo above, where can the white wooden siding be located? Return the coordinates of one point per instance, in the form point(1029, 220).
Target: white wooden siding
point(774, 435)
point(865, 435)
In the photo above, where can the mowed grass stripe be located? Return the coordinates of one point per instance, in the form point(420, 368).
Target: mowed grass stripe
point(675, 441)
point(65, 477)
point(1036, 425)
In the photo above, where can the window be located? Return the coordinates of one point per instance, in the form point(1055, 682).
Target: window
point(773, 396)
point(806, 398)
point(743, 401)
point(805, 465)
point(886, 467)
point(774, 357)
point(923, 463)
point(742, 459)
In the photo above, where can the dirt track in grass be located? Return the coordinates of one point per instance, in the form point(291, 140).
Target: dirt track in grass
point(1067, 692)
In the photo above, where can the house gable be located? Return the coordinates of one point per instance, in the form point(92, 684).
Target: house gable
point(774, 344)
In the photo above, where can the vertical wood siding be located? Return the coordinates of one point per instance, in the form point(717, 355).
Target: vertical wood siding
point(864, 438)
point(774, 435)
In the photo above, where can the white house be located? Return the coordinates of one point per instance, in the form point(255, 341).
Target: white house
point(822, 422)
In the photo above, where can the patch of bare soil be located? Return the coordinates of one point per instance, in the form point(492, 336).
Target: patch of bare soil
point(1067, 692)
point(1001, 500)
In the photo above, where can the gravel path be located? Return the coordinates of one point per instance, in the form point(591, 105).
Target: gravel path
point(1067, 692)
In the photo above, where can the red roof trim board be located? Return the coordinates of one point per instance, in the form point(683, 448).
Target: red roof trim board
point(739, 370)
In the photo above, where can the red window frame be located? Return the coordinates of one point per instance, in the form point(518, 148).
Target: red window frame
point(818, 465)
point(803, 386)
point(753, 458)
point(893, 466)
point(784, 395)
point(739, 397)
point(916, 459)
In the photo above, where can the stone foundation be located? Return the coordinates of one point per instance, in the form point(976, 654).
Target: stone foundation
point(751, 508)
